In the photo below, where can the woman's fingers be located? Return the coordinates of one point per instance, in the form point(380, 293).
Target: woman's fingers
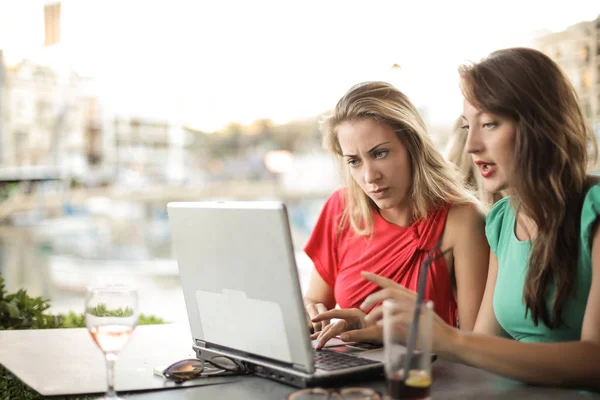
point(399, 333)
point(324, 334)
point(330, 331)
point(385, 294)
point(312, 311)
point(400, 312)
point(385, 283)
point(309, 323)
point(375, 315)
point(400, 318)
point(322, 309)
point(338, 313)
point(371, 334)
point(318, 335)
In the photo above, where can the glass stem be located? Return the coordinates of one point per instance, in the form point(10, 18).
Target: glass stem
point(110, 375)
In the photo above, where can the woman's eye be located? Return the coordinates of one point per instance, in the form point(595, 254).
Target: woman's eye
point(352, 162)
point(381, 153)
point(489, 125)
point(465, 127)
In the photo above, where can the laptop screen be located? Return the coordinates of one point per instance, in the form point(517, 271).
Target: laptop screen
point(239, 278)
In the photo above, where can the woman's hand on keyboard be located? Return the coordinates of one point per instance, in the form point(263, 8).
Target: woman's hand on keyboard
point(370, 334)
point(312, 310)
point(348, 320)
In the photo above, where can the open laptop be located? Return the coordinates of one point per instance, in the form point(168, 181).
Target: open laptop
point(243, 297)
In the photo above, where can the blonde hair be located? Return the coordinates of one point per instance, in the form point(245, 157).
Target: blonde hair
point(434, 182)
point(471, 178)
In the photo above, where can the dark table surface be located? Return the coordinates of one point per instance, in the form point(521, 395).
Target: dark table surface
point(66, 361)
point(451, 381)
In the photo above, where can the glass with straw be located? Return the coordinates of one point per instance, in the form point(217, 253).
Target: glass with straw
point(416, 383)
point(408, 348)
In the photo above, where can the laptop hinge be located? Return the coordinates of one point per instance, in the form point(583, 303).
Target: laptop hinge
point(200, 343)
point(300, 368)
point(212, 349)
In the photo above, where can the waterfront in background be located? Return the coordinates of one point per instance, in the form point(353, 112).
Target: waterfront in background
point(114, 240)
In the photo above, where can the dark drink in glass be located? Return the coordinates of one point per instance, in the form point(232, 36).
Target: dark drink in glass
point(417, 384)
point(416, 387)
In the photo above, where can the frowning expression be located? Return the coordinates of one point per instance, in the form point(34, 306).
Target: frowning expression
point(378, 161)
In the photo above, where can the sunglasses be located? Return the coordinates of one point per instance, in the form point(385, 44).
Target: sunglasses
point(184, 370)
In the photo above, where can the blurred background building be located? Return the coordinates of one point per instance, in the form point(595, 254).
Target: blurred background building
point(105, 117)
point(45, 118)
point(577, 50)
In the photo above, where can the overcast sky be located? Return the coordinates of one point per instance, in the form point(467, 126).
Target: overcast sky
point(211, 62)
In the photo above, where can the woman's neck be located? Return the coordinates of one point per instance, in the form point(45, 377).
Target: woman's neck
point(400, 215)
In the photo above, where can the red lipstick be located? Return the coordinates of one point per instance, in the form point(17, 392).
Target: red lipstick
point(486, 169)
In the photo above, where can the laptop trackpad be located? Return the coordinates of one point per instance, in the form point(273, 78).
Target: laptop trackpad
point(233, 320)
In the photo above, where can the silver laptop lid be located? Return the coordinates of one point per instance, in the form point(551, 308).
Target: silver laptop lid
point(239, 278)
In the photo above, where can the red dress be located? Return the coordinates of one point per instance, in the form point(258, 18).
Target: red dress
point(393, 251)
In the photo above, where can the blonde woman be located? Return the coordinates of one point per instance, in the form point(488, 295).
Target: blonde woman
point(401, 197)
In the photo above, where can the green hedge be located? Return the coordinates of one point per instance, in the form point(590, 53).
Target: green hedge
point(20, 311)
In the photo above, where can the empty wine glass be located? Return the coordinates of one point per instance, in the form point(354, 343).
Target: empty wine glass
point(111, 314)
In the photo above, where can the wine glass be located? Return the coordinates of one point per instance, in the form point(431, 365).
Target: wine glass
point(111, 314)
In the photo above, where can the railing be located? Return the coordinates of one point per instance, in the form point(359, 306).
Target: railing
point(240, 190)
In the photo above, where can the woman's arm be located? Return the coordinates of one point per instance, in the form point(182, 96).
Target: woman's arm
point(319, 291)
point(573, 364)
point(465, 228)
point(319, 298)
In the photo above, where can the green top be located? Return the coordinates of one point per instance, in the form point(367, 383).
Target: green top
point(512, 255)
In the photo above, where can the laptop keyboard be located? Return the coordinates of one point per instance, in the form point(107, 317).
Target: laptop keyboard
point(330, 361)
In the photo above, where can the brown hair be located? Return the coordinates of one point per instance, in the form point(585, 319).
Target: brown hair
point(435, 181)
point(551, 159)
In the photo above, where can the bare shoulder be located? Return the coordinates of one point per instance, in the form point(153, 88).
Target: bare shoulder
point(463, 215)
point(463, 221)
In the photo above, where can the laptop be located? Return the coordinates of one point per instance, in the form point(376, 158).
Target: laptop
point(243, 298)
